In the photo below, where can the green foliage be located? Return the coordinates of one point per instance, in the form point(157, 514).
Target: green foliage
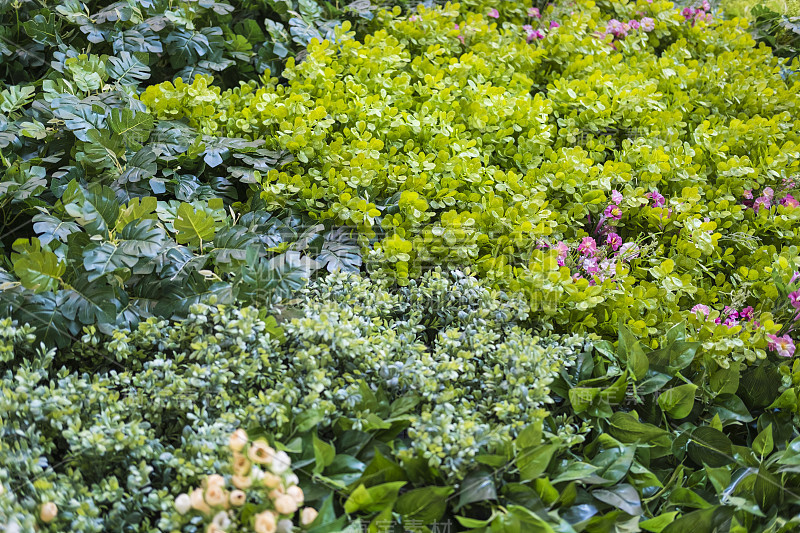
point(370, 390)
point(136, 216)
point(624, 198)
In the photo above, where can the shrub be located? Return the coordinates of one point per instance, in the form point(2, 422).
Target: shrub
point(441, 154)
point(110, 428)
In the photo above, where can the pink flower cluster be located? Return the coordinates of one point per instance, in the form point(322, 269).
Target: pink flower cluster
point(701, 12)
point(730, 316)
point(657, 199)
point(531, 33)
point(620, 30)
point(767, 200)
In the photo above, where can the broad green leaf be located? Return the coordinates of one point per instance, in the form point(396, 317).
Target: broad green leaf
point(193, 227)
point(622, 496)
point(373, 499)
point(709, 446)
point(381, 470)
point(134, 128)
point(51, 228)
point(767, 488)
point(763, 443)
point(96, 209)
point(532, 462)
point(658, 523)
point(425, 505)
point(107, 258)
point(127, 68)
point(137, 209)
point(678, 401)
point(626, 428)
point(38, 269)
point(323, 454)
point(478, 486)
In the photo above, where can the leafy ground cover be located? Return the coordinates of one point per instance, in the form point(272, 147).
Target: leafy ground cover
point(488, 266)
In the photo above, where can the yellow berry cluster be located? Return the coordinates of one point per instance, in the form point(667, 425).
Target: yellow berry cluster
point(257, 467)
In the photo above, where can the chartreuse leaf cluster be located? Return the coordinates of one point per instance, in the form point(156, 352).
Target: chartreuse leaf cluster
point(442, 155)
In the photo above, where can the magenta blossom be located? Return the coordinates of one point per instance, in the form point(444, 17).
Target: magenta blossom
point(795, 277)
point(533, 12)
point(633, 24)
point(762, 202)
point(794, 299)
point(413, 18)
point(647, 24)
point(748, 194)
point(747, 313)
point(769, 193)
point(588, 246)
point(563, 251)
point(495, 14)
point(614, 241)
point(554, 24)
point(783, 345)
point(616, 197)
point(790, 201)
point(700, 308)
point(655, 196)
point(613, 212)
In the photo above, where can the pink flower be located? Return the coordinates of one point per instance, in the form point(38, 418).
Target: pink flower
point(747, 313)
point(613, 212)
point(633, 24)
point(616, 28)
point(528, 28)
point(658, 200)
point(769, 194)
point(588, 246)
point(647, 24)
point(413, 18)
point(614, 240)
point(795, 277)
point(533, 12)
point(705, 5)
point(790, 201)
point(700, 308)
point(783, 345)
point(616, 197)
point(590, 265)
point(629, 251)
point(748, 194)
point(554, 24)
point(794, 299)
point(563, 250)
point(762, 202)
point(494, 14)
